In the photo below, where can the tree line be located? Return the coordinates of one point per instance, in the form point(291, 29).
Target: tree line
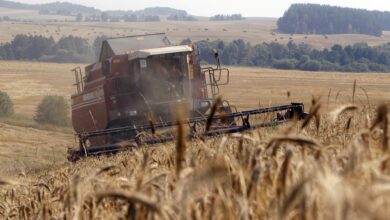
point(233, 17)
point(324, 19)
point(147, 14)
point(40, 48)
point(358, 57)
point(106, 17)
point(352, 58)
point(181, 17)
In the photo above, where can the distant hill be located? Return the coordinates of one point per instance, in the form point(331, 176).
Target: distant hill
point(17, 5)
point(55, 7)
point(66, 8)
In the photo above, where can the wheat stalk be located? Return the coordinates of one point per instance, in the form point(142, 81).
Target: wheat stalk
point(213, 111)
point(313, 113)
point(345, 108)
point(353, 91)
point(130, 198)
point(180, 143)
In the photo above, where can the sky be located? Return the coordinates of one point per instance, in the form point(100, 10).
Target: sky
point(248, 8)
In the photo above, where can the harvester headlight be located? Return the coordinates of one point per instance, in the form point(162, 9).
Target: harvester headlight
point(225, 104)
point(204, 104)
point(133, 113)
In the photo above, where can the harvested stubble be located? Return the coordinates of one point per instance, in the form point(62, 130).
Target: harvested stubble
point(338, 170)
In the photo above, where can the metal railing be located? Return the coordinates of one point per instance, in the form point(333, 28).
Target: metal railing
point(215, 78)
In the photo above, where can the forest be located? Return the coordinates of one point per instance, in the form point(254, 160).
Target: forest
point(352, 58)
point(324, 19)
point(358, 57)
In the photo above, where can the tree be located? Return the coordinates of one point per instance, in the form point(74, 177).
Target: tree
point(277, 51)
point(227, 17)
point(6, 105)
point(384, 58)
point(97, 45)
point(75, 44)
point(287, 64)
point(104, 17)
point(313, 65)
point(115, 19)
point(150, 18)
point(180, 17)
point(79, 17)
point(260, 55)
point(53, 110)
point(130, 18)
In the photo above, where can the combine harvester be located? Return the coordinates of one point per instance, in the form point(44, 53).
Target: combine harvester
point(130, 96)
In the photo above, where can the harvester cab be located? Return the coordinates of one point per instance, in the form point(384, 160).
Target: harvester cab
point(135, 87)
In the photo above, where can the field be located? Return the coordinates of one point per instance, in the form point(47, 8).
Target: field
point(31, 15)
point(333, 165)
point(28, 82)
point(253, 30)
point(338, 170)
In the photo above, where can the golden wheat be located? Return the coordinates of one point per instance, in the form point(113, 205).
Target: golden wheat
point(333, 165)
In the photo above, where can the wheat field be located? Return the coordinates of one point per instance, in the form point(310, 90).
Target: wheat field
point(319, 169)
point(333, 165)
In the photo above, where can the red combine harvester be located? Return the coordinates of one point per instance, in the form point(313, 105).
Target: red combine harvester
point(135, 87)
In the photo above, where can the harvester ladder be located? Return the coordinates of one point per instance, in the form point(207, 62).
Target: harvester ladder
point(79, 79)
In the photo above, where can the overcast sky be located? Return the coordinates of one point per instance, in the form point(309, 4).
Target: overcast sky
point(248, 8)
